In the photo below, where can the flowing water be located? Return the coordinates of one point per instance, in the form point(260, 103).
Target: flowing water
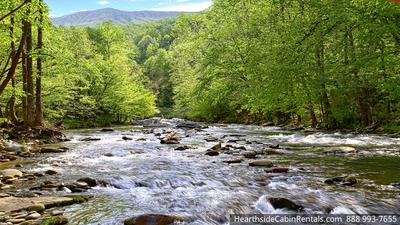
point(149, 177)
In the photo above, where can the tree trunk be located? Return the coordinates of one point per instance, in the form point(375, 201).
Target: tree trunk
point(11, 71)
point(29, 111)
point(319, 55)
point(39, 120)
point(12, 115)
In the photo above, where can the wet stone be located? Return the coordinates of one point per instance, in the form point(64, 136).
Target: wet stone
point(107, 130)
point(56, 212)
point(90, 139)
point(249, 154)
point(51, 172)
point(15, 221)
point(278, 170)
point(125, 138)
point(153, 219)
point(33, 216)
point(283, 203)
point(261, 163)
point(212, 153)
point(90, 181)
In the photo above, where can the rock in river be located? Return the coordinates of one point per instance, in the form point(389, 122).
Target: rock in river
point(107, 130)
point(261, 163)
point(153, 219)
point(249, 154)
point(153, 122)
point(170, 138)
point(11, 173)
point(278, 170)
point(233, 161)
point(340, 150)
point(52, 150)
point(90, 139)
point(212, 153)
point(187, 124)
point(271, 151)
point(90, 181)
point(125, 138)
point(345, 180)
point(216, 147)
point(283, 203)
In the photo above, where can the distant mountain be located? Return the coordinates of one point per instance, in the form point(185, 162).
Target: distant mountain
point(96, 17)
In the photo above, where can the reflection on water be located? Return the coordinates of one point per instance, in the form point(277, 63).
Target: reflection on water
point(148, 177)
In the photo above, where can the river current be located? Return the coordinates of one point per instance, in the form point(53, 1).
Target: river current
point(149, 177)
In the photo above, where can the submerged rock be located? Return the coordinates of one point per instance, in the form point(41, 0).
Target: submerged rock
point(90, 139)
point(340, 150)
point(125, 138)
point(51, 172)
point(183, 148)
point(271, 151)
point(211, 139)
point(249, 154)
point(153, 219)
point(345, 180)
point(233, 161)
point(212, 153)
point(107, 130)
point(278, 170)
point(261, 163)
point(283, 203)
point(396, 185)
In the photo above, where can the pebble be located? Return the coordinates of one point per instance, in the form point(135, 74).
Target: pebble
point(16, 221)
point(57, 212)
point(33, 216)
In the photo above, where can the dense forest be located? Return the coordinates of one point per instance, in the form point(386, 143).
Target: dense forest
point(331, 64)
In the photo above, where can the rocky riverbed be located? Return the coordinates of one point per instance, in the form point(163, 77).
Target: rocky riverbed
point(165, 171)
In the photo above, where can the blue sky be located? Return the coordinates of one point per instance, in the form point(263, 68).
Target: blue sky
point(63, 7)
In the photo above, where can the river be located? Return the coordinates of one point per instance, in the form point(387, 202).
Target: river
point(149, 177)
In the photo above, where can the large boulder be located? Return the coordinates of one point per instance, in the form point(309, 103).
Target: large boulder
point(153, 219)
point(11, 173)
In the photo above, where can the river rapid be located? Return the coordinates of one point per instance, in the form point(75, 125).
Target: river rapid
point(146, 176)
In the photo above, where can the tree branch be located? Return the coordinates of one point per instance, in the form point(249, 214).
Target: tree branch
point(14, 10)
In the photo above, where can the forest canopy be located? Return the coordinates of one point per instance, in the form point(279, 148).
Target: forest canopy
point(331, 64)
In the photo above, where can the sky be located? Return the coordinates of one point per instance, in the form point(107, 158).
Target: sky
point(63, 7)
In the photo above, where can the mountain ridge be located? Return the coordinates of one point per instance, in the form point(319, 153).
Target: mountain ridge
point(98, 16)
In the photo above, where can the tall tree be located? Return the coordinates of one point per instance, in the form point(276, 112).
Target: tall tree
point(39, 120)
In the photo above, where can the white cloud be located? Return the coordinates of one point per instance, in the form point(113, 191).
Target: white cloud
point(187, 7)
point(104, 2)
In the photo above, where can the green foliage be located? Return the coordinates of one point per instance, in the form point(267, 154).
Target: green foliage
point(93, 79)
point(326, 62)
